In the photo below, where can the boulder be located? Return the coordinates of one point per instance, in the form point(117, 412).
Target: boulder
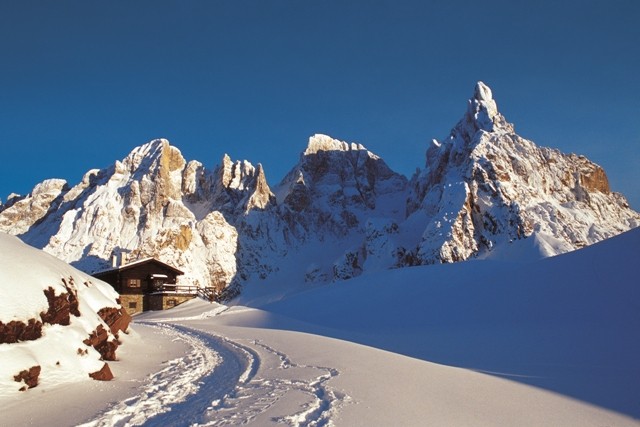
point(104, 374)
point(29, 377)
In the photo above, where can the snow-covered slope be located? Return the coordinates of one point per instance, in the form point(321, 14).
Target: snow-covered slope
point(545, 343)
point(57, 324)
point(339, 212)
point(568, 323)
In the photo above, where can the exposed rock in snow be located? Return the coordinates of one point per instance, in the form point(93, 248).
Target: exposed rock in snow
point(319, 142)
point(336, 187)
point(20, 213)
point(482, 187)
point(57, 324)
point(241, 187)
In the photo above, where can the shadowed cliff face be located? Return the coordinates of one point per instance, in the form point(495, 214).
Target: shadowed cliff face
point(336, 186)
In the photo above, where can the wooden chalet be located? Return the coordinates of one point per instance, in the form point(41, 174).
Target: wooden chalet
point(147, 284)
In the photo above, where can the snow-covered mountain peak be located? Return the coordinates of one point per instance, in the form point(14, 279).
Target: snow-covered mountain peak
point(482, 186)
point(336, 186)
point(482, 115)
point(482, 92)
point(483, 108)
point(50, 186)
point(484, 182)
point(144, 153)
point(320, 142)
point(155, 156)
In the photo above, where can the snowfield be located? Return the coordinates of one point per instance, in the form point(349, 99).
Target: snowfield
point(543, 342)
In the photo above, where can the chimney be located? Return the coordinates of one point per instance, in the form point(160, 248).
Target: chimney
point(114, 261)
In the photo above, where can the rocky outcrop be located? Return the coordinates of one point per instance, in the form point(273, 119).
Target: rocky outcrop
point(56, 322)
point(104, 374)
point(29, 377)
point(17, 330)
point(240, 188)
point(60, 307)
point(591, 176)
point(21, 213)
point(100, 340)
point(335, 187)
point(116, 318)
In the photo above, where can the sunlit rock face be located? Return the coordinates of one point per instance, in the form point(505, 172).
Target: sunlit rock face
point(152, 203)
point(485, 184)
point(482, 187)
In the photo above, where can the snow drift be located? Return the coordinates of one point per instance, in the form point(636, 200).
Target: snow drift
point(57, 324)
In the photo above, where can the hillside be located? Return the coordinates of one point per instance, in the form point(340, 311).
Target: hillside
point(547, 342)
point(57, 324)
point(567, 323)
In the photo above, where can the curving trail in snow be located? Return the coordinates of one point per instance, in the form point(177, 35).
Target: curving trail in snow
point(221, 382)
point(175, 383)
point(310, 401)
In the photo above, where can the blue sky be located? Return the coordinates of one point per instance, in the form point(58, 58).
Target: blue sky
point(82, 83)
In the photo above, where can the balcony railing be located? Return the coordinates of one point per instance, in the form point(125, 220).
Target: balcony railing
point(208, 293)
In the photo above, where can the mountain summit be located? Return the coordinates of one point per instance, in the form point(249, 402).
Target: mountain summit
point(484, 184)
point(338, 212)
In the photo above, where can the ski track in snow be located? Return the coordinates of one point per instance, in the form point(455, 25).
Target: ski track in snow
point(175, 383)
point(325, 401)
point(216, 384)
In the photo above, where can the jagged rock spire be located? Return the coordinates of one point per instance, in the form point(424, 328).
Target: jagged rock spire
point(482, 115)
point(241, 187)
point(483, 107)
point(484, 183)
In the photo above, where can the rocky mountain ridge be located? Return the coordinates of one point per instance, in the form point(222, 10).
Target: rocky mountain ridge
point(482, 187)
point(484, 182)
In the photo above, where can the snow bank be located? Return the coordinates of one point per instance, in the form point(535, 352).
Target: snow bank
point(49, 331)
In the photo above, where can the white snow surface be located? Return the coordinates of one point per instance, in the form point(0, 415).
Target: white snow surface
point(25, 273)
point(485, 343)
